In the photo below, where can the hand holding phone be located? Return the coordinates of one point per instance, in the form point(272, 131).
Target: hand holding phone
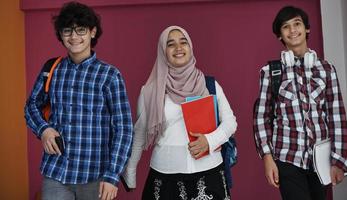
point(60, 142)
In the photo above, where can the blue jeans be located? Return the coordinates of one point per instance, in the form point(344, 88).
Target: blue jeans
point(54, 190)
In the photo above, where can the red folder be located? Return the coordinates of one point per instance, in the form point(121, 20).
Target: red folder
point(199, 116)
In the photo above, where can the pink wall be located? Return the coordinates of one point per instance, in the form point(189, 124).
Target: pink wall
point(232, 40)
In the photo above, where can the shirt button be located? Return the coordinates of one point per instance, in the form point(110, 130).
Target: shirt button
point(310, 151)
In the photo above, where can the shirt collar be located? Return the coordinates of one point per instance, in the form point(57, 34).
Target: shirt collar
point(299, 61)
point(84, 63)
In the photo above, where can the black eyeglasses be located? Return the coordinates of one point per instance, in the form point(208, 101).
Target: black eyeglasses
point(79, 30)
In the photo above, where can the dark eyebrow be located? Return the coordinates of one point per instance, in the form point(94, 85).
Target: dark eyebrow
point(169, 41)
point(181, 39)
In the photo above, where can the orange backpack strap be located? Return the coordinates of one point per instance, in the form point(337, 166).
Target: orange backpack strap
point(48, 70)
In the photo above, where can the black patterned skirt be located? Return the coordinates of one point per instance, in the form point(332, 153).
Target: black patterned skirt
point(204, 185)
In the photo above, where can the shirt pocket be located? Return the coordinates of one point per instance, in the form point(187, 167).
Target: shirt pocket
point(286, 92)
point(317, 89)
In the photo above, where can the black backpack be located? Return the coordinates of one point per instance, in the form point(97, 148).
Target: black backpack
point(275, 81)
point(47, 70)
point(275, 71)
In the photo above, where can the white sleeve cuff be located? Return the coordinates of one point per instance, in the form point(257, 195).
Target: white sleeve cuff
point(129, 176)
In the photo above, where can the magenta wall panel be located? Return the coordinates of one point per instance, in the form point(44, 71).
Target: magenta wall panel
point(232, 40)
point(44, 4)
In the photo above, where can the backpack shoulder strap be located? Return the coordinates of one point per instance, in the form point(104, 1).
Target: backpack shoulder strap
point(48, 69)
point(211, 87)
point(210, 84)
point(275, 81)
point(275, 77)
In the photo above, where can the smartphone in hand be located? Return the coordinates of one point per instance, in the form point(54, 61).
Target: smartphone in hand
point(60, 142)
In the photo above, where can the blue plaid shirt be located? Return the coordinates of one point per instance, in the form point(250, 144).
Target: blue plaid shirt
point(90, 109)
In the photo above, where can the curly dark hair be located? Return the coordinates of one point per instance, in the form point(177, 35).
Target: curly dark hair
point(74, 13)
point(288, 13)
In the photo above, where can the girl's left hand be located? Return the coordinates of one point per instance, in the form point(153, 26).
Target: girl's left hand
point(198, 147)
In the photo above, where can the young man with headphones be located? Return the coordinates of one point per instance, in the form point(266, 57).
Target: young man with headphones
point(308, 109)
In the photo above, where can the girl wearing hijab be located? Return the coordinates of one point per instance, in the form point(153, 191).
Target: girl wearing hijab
point(176, 169)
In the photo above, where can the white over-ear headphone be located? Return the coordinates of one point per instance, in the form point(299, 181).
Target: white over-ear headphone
point(287, 58)
point(310, 58)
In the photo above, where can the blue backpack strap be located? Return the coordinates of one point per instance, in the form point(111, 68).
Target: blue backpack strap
point(210, 84)
point(211, 87)
point(229, 152)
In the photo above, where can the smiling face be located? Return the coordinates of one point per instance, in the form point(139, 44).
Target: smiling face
point(178, 51)
point(293, 34)
point(78, 44)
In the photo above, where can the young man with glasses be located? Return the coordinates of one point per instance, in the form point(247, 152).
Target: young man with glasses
point(308, 109)
point(90, 111)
